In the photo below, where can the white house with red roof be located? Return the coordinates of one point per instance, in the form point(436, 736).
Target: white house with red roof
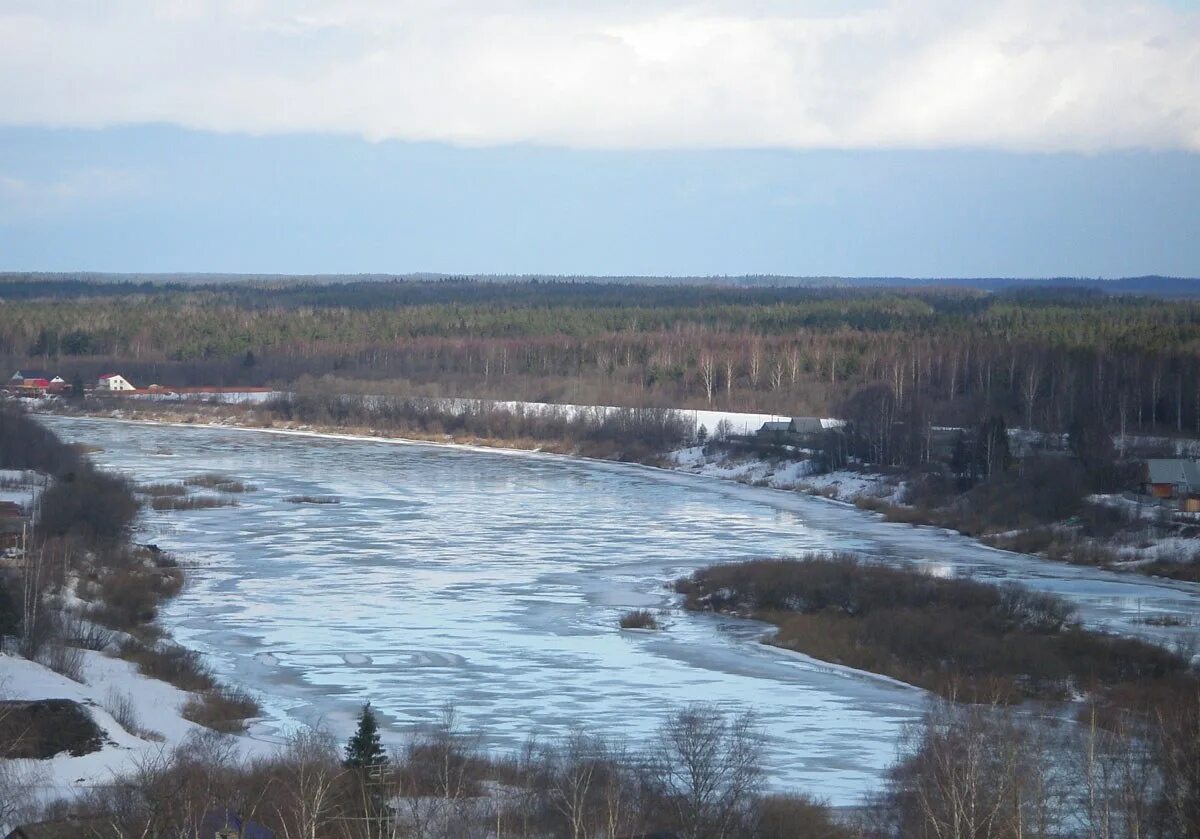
point(113, 382)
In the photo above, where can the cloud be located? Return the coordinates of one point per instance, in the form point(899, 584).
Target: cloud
point(1044, 75)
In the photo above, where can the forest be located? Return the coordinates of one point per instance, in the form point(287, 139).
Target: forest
point(1039, 357)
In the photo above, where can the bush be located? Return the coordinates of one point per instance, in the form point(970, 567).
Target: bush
point(83, 633)
point(91, 505)
point(639, 619)
point(62, 659)
point(129, 596)
point(120, 705)
point(224, 709)
point(169, 663)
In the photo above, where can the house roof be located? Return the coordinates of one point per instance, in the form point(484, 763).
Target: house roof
point(776, 426)
point(806, 425)
point(1175, 471)
point(110, 376)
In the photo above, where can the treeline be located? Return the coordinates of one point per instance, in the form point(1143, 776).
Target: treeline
point(924, 356)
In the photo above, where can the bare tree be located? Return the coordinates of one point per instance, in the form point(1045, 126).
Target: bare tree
point(707, 375)
point(309, 772)
point(707, 765)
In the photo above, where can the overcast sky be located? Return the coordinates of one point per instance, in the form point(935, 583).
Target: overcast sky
point(923, 138)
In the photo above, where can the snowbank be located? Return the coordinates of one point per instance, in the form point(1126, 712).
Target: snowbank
point(156, 708)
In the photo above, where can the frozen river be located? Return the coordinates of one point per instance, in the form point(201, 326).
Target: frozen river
point(495, 580)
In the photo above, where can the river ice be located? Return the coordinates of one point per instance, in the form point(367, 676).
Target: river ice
point(494, 581)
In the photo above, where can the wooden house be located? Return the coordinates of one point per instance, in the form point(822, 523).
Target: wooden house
point(1174, 478)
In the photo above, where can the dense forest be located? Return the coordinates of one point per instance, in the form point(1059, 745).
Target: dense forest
point(1041, 357)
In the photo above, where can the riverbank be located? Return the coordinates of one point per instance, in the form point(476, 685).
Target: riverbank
point(85, 634)
point(1098, 530)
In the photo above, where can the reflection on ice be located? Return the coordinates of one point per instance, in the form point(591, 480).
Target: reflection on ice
point(495, 581)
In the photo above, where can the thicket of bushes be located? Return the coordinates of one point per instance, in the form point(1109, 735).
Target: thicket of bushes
point(82, 538)
point(627, 433)
point(700, 776)
point(957, 637)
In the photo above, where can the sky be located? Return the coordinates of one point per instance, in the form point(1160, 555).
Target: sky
point(807, 137)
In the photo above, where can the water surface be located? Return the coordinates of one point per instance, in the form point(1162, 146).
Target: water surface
point(495, 580)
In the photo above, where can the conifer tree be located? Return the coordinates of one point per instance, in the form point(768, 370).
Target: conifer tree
point(364, 749)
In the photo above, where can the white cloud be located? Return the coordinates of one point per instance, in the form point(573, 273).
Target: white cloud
point(1078, 75)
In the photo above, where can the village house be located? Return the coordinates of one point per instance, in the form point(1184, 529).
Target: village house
point(1176, 479)
point(36, 382)
point(799, 430)
point(113, 382)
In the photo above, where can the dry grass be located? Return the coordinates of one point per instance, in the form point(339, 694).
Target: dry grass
point(313, 499)
point(219, 482)
point(191, 502)
point(163, 490)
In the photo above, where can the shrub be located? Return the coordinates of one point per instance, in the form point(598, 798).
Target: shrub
point(83, 633)
point(169, 663)
point(639, 619)
point(92, 505)
point(129, 596)
point(120, 705)
point(224, 709)
point(62, 659)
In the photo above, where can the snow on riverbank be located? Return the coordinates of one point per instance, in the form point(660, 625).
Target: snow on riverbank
point(156, 719)
point(800, 475)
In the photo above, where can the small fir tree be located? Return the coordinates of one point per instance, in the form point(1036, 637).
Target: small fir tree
point(364, 749)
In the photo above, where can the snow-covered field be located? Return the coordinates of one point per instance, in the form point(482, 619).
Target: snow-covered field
point(495, 580)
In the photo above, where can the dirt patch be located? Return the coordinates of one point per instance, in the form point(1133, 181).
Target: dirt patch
point(42, 728)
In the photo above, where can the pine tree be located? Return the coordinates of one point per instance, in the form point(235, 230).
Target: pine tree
point(364, 749)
